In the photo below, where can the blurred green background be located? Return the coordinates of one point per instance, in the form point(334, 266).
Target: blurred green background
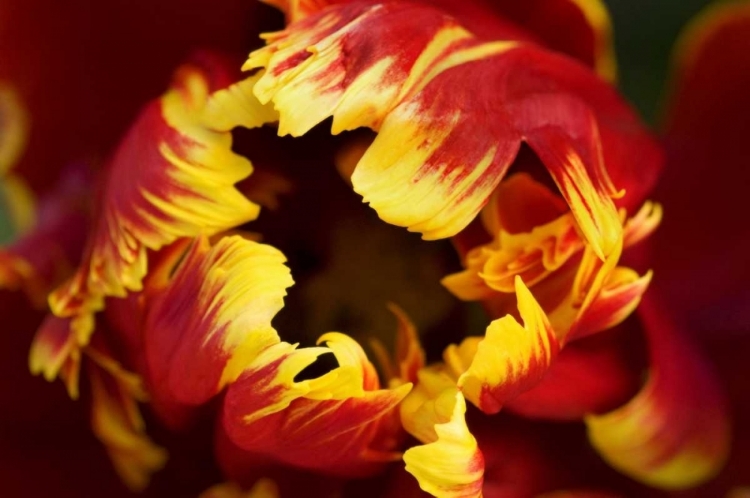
point(644, 30)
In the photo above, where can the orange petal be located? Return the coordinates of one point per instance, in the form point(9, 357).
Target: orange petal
point(674, 433)
point(269, 412)
point(172, 176)
point(510, 359)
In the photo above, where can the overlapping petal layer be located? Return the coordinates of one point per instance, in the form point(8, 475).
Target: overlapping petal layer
point(173, 176)
point(438, 156)
point(509, 360)
point(268, 412)
point(675, 432)
point(536, 239)
point(213, 316)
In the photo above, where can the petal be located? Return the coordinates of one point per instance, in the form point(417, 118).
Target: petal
point(450, 463)
point(591, 376)
point(117, 423)
point(705, 181)
point(433, 164)
point(269, 413)
point(511, 358)
point(579, 28)
point(264, 488)
point(172, 176)
point(54, 351)
point(14, 128)
point(213, 317)
point(674, 433)
point(41, 258)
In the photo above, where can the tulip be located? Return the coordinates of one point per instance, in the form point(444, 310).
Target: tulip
point(187, 264)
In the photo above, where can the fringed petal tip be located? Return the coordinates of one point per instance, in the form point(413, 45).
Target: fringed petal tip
point(509, 360)
point(448, 464)
point(434, 164)
point(172, 176)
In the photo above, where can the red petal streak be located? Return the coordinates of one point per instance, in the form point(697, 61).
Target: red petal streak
point(451, 114)
point(213, 317)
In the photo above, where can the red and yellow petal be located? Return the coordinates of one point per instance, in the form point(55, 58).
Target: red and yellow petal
point(434, 164)
point(213, 317)
point(590, 376)
point(675, 432)
point(54, 351)
point(449, 462)
point(172, 176)
point(269, 413)
point(510, 359)
point(117, 423)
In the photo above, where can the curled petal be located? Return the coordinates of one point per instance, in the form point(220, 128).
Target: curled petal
point(674, 433)
point(617, 299)
point(117, 423)
point(437, 158)
point(269, 412)
point(450, 463)
point(511, 358)
point(173, 176)
point(213, 317)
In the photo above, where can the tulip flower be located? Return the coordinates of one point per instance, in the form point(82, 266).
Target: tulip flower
point(211, 288)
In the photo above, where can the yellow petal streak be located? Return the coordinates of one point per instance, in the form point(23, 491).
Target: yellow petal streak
point(432, 165)
point(631, 440)
point(449, 464)
point(173, 176)
point(511, 358)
